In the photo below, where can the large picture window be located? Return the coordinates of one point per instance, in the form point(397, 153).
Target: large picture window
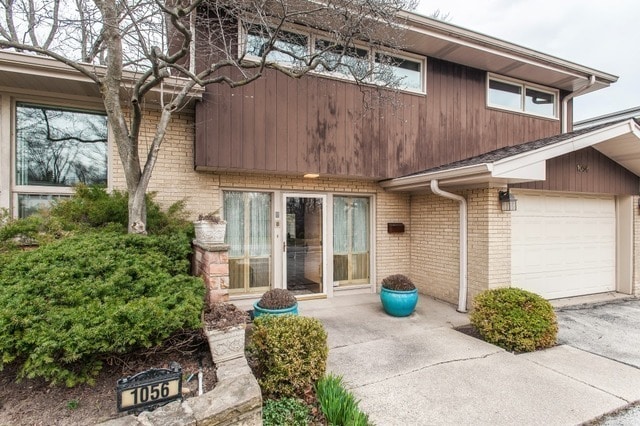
point(519, 96)
point(248, 216)
point(56, 149)
point(351, 245)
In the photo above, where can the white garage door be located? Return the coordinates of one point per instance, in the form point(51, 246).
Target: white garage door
point(563, 245)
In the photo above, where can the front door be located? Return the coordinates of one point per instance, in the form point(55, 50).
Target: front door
point(304, 249)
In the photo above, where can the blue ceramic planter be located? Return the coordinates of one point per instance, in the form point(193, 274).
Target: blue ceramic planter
point(398, 303)
point(257, 310)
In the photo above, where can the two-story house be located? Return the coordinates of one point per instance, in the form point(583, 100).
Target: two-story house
point(469, 178)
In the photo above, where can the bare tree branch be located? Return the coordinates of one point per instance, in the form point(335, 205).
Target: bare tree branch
point(235, 42)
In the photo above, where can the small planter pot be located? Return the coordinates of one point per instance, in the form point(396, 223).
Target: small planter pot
point(209, 232)
point(226, 344)
point(398, 303)
point(257, 310)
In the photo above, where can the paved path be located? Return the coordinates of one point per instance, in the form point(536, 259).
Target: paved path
point(420, 371)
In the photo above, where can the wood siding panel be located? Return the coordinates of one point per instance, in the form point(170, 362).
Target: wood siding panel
point(282, 125)
point(602, 176)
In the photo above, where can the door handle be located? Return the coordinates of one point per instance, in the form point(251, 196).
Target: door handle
point(284, 246)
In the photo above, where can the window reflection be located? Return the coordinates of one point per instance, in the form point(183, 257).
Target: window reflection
point(56, 147)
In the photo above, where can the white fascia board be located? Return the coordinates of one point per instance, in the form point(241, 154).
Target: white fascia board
point(520, 161)
point(422, 180)
point(535, 171)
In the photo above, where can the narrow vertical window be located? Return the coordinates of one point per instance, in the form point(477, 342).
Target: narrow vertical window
point(248, 216)
point(351, 245)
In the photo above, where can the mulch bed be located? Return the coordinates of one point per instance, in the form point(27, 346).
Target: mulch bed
point(34, 402)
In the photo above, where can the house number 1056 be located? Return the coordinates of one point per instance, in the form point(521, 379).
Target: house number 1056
point(150, 393)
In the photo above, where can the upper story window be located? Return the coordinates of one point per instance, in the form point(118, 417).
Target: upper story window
point(350, 62)
point(408, 72)
point(292, 48)
point(522, 97)
point(289, 48)
point(55, 149)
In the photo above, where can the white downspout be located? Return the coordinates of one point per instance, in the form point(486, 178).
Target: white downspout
point(565, 102)
point(462, 292)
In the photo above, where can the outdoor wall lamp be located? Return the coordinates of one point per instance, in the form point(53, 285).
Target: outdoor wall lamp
point(508, 203)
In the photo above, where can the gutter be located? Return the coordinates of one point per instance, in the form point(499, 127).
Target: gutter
point(462, 291)
point(565, 101)
point(416, 181)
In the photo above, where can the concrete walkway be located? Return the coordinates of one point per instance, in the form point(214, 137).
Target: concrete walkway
point(420, 371)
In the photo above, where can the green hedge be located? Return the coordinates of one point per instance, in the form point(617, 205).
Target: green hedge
point(68, 304)
point(515, 319)
point(290, 354)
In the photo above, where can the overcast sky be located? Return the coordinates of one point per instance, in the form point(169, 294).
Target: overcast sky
point(604, 35)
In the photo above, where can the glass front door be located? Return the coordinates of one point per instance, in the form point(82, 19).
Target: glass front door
point(303, 246)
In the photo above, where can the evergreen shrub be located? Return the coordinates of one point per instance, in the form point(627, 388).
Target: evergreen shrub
point(515, 319)
point(68, 305)
point(289, 354)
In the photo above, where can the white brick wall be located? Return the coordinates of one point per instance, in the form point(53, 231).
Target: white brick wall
point(435, 249)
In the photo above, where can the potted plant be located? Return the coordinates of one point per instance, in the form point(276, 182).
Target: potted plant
point(276, 301)
point(210, 228)
point(399, 295)
point(224, 326)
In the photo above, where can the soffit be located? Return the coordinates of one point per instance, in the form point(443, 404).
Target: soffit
point(25, 72)
point(437, 39)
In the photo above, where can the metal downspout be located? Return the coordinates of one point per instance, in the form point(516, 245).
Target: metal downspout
point(462, 291)
point(565, 102)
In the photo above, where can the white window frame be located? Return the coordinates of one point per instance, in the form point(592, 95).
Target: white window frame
point(62, 191)
point(238, 294)
point(523, 95)
point(313, 36)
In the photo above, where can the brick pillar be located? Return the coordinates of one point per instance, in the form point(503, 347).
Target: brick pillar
point(211, 262)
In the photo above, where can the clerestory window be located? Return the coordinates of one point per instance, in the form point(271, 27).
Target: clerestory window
point(522, 97)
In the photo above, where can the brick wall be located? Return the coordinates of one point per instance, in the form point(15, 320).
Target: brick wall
point(489, 242)
point(173, 178)
point(435, 249)
point(434, 246)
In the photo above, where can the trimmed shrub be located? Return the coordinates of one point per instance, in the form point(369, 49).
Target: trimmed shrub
point(515, 319)
point(93, 207)
point(277, 298)
point(289, 354)
point(338, 405)
point(285, 411)
point(67, 305)
point(398, 282)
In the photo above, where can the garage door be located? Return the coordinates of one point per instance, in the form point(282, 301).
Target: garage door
point(563, 245)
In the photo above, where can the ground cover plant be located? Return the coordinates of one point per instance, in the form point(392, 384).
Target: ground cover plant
point(514, 319)
point(67, 305)
point(285, 411)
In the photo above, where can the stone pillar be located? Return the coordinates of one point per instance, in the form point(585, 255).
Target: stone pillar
point(211, 262)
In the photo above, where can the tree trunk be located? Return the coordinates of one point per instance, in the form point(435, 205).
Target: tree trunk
point(137, 211)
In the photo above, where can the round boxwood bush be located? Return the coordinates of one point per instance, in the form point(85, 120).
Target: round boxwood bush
point(515, 319)
point(288, 353)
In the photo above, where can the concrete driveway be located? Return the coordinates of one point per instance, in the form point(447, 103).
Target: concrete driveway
point(420, 371)
point(611, 330)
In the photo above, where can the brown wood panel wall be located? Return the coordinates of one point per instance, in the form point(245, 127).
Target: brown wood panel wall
point(316, 124)
point(602, 176)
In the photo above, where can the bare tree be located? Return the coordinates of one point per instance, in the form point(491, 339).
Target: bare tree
point(130, 47)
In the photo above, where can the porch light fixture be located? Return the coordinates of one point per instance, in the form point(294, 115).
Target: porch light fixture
point(508, 203)
point(311, 175)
